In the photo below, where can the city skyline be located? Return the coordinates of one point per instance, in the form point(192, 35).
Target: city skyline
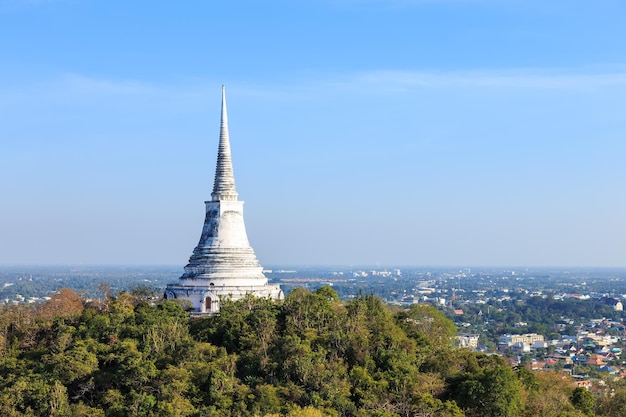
point(451, 132)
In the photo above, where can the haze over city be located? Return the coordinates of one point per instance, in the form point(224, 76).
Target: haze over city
point(393, 132)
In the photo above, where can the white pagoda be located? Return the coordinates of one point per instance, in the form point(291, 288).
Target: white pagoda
point(223, 265)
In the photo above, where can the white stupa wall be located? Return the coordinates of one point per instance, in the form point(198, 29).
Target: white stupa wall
point(224, 226)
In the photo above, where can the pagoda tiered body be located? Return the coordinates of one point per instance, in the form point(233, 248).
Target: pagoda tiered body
point(223, 265)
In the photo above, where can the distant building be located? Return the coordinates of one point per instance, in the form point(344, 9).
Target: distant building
point(613, 302)
point(223, 265)
point(519, 347)
point(578, 296)
point(585, 383)
point(539, 344)
point(468, 340)
point(529, 339)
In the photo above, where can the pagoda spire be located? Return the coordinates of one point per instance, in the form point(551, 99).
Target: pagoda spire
point(224, 185)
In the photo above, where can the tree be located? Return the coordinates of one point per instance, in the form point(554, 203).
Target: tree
point(305, 310)
point(65, 303)
point(547, 393)
point(428, 326)
point(328, 292)
point(428, 406)
point(82, 410)
point(173, 385)
point(613, 404)
point(492, 391)
point(583, 400)
point(307, 412)
point(75, 363)
point(143, 293)
point(126, 367)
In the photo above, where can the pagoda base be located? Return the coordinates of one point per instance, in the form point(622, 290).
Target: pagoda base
point(206, 300)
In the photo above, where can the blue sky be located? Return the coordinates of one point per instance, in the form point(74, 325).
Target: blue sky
point(392, 132)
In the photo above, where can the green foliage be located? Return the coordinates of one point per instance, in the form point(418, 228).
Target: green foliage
point(613, 405)
point(583, 400)
point(428, 326)
point(311, 355)
point(328, 292)
point(77, 362)
point(547, 393)
point(491, 391)
point(143, 293)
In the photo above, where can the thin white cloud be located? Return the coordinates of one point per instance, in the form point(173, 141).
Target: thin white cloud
point(401, 4)
point(32, 2)
point(386, 82)
point(7, 6)
point(536, 79)
point(70, 88)
point(320, 85)
point(89, 85)
point(77, 88)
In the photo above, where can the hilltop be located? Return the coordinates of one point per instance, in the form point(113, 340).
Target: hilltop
point(311, 355)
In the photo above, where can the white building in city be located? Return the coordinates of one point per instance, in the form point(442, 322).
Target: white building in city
point(528, 339)
point(468, 340)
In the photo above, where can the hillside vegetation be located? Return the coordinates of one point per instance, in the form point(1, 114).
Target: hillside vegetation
point(311, 355)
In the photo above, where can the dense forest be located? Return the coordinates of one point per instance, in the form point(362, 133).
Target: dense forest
point(310, 355)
